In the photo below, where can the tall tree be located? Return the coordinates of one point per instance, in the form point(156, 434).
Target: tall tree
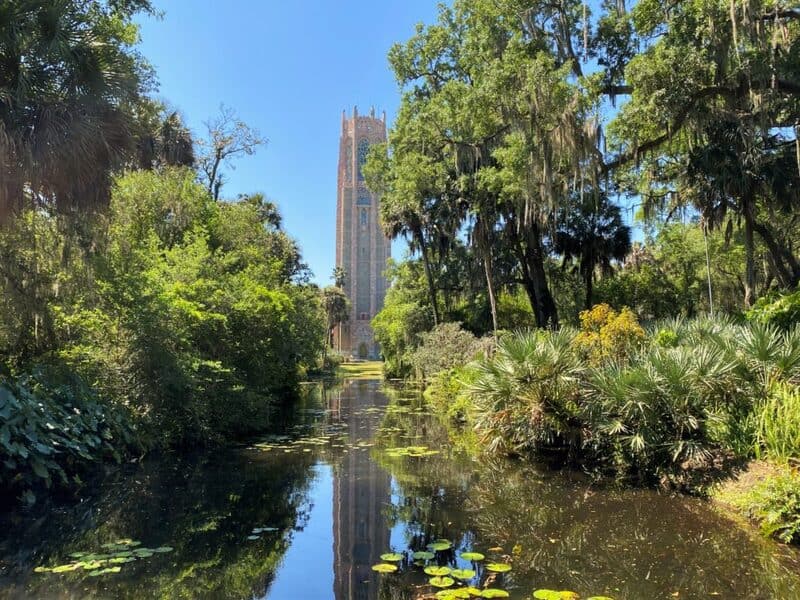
point(592, 233)
point(70, 80)
point(228, 137)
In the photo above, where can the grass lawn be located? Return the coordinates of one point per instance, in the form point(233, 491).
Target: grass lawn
point(361, 370)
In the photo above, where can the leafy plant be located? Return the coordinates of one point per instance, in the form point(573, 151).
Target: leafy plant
point(53, 425)
point(526, 395)
point(778, 423)
point(607, 334)
point(775, 504)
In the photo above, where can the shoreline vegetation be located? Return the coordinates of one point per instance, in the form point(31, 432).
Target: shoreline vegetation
point(704, 407)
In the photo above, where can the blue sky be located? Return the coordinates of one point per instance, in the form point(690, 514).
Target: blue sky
point(288, 69)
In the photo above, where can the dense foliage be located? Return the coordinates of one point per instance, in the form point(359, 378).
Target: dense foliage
point(670, 405)
point(132, 299)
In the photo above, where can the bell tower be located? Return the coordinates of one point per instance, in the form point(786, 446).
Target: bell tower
point(361, 246)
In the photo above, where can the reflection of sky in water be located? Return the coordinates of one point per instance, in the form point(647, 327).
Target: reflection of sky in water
point(307, 569)
point(630, 544)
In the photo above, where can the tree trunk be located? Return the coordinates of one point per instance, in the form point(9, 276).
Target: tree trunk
point(487, 267)
point(548, 314)
point(589, 283)
point(428, 276)
point(787, 267)
point(749, 257)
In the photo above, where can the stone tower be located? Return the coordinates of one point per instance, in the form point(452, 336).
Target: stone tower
point(361, 247)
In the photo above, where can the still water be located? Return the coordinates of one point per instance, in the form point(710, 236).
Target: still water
point(307, 515)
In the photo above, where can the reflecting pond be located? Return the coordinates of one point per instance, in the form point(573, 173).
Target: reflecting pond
point(362, 471)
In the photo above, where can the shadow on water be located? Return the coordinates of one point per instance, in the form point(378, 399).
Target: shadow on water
point(357, 471)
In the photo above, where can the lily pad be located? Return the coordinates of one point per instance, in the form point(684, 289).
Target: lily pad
point(422, 555)
point(498, 567)
point(42, 570)
point(66, 568)
point(555, 595)
point(441, 582)
point(473, 556)
point(454, 594)
point(463, 573)
point(440, 545)
point(384, 568)
point(473, 591)
point(162, 549)
point(494, 593)
point(437, 571)
point(392, 557)
point(253, 537)
point(105, 571)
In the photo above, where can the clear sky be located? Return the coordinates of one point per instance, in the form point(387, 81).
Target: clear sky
point(288, 68)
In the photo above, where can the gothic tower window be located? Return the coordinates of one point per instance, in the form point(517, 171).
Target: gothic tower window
point(364, 218)
point(363, 148)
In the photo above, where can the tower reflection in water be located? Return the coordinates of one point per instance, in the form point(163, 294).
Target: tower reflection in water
point(361, 492)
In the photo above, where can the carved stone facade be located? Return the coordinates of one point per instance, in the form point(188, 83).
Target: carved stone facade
point(361, 247)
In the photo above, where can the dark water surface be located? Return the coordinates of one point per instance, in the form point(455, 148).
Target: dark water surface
point(324, 504)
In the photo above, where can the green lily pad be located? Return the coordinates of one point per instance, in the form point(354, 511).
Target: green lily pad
point(118, 560)
point(422, 555)
point(66, 568)
point(392, 557)
point(162, 549)
point(42, 570)
point(437, 571)
point(554, 595)
point(78, 554)
point(473, 591)
point(498, 567)
point(384, 568)
point(473, 556)
point(454, 594)
point(441, 582)
point(253, 537)
point(463, 573)
point(440, 545)
point(105, 571)
point(89, 566)
point(494, 593)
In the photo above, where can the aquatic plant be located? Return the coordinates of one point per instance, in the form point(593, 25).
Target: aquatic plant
point(472, 556)
point(437, 571)
point(384, 568)
point(462, 573)
point(116, 553)
point(441, 582)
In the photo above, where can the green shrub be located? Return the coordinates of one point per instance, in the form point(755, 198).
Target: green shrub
point(52, 425)
point(781, 310)
point(445, 347)
point(778, 423)
point(664, 414)
point(775, 504)
point(446, 393)
point(526, 395)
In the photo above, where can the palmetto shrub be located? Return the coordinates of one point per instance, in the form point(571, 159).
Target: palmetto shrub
point(526, 395)
point(666, 412)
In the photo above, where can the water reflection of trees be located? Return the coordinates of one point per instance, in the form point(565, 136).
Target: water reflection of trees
point(562, 532)
point(203, 507)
